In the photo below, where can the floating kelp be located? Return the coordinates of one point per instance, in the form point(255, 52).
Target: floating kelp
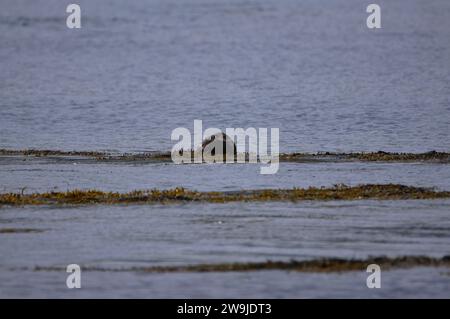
point(380, 156)
point(46, 153)
point(433, 156)
point(19, 230)
point(338, 192)
point(324, 265)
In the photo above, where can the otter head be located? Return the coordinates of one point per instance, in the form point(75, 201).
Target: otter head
point(219, 142)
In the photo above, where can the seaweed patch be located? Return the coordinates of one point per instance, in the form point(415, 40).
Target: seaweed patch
point(179, 194)
point(20, 230)
point(380, 156)
point(322, 265)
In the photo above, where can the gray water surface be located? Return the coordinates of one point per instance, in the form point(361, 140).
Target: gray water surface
point(403, 283)
point(28, 175)
point(153, 235)
point(137, 70)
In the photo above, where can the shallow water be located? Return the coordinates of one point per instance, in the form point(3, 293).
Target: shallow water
point(404, 283)
point(150, 235)
point(202, 233)
point(61, 174)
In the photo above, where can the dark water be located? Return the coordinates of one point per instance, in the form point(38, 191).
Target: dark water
point(139, 69)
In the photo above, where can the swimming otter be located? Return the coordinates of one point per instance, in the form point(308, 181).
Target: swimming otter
point(219, 141)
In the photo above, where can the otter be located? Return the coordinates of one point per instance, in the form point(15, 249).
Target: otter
point(210, 144)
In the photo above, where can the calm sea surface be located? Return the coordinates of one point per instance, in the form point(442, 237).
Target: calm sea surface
point(136, 70)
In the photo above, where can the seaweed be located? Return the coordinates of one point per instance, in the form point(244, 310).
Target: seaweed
point(19, 230)
point(380, 156)
point(179, 194)
point(322, 265)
